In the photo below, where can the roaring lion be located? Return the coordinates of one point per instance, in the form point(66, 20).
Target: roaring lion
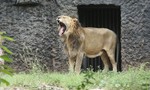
point(89, 41)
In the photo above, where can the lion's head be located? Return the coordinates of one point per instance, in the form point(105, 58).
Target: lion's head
point(67, 24)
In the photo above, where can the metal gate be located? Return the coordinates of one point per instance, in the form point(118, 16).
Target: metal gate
point(101, 16)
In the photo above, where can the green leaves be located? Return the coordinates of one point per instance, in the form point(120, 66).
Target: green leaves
point(88, 80)
point(8, 38)
point(6, 58)
point(2, 33)
point(4, 37)
point(4, 81)
point(6, 49)
point(4, 69)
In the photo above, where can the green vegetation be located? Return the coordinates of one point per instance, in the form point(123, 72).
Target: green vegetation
point(4, 69)
point(133, 79)
point(36, 78)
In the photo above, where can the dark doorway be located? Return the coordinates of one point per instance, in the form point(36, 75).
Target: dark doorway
point(101, 16)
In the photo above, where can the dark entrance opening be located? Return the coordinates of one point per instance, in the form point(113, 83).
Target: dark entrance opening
point(101, 16)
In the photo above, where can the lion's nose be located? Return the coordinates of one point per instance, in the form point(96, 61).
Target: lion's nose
point(58, 19)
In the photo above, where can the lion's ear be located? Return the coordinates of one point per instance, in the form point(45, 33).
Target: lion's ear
point(76, 22)
point(72, 17)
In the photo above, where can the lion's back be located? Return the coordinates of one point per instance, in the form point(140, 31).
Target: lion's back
point(98, 33)
point(98, 38)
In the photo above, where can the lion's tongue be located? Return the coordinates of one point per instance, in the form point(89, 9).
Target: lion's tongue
point(61, 31)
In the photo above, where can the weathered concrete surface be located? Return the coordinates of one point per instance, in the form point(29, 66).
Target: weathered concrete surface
point(35, 27)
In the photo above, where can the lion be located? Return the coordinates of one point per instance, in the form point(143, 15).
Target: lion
point(89, 41)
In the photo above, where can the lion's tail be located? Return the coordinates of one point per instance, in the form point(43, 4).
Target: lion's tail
point(118, 55)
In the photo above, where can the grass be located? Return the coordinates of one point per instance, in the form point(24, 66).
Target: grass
point(35, 80)
point(133, 79)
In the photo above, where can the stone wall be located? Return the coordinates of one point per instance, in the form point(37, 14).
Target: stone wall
point(35, 30)
point(135, 42)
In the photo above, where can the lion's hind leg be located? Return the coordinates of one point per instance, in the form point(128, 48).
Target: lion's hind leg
point(111, 55)
point(106, 61)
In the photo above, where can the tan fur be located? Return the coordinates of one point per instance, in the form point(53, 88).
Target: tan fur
point(92, 42)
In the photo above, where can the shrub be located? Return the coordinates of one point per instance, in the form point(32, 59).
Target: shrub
point(4, 69)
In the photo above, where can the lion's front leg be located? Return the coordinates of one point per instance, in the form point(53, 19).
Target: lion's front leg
point(71, 64)
point(78, 63)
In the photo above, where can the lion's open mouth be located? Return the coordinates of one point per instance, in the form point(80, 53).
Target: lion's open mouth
point(62, 28)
